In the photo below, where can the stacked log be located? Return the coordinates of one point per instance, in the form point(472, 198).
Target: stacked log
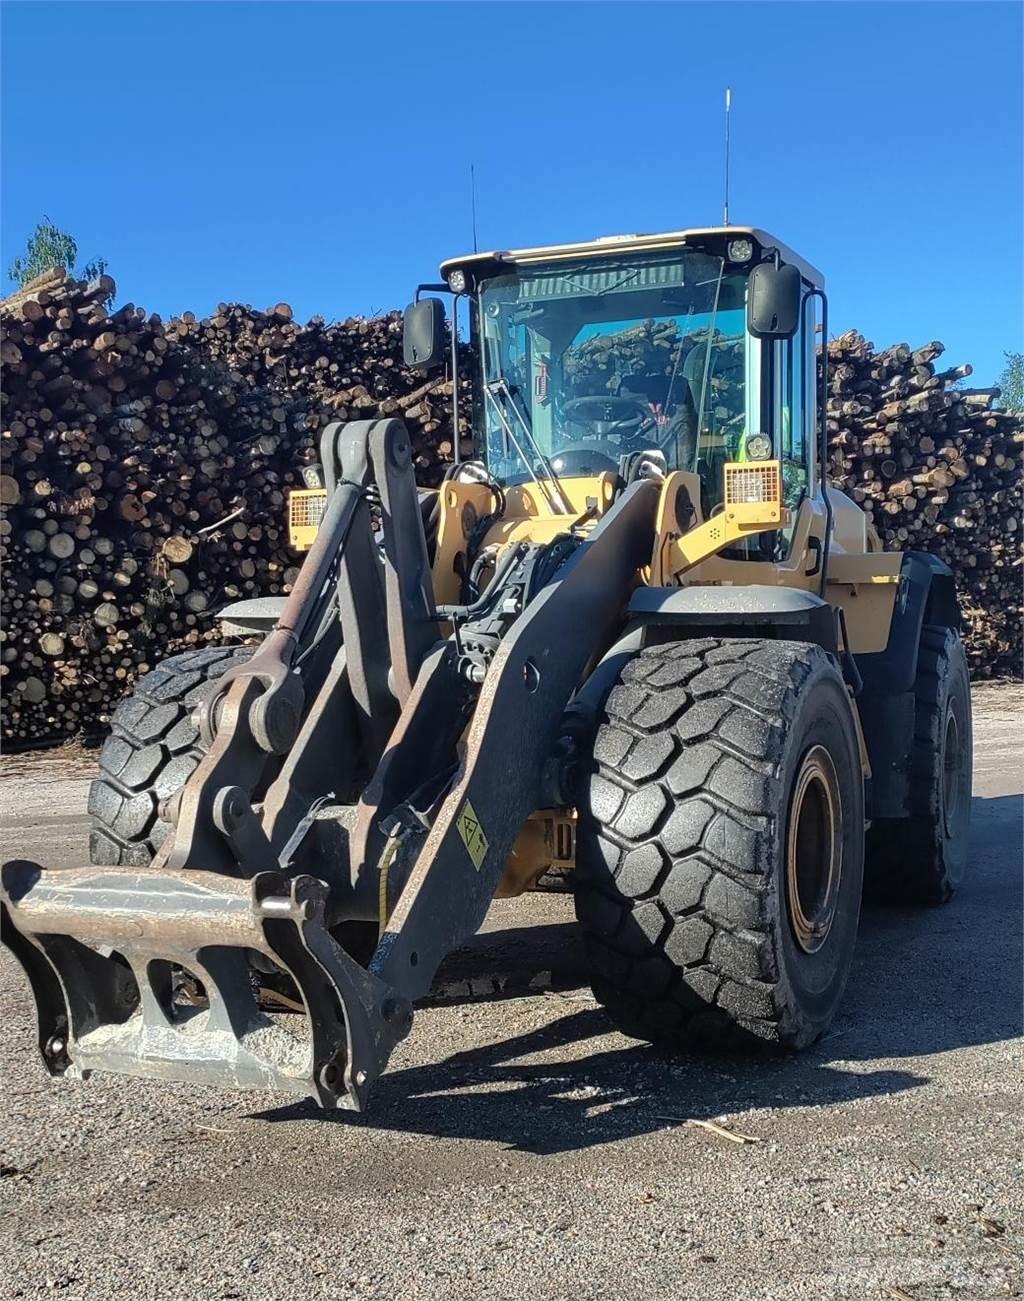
point(937, 468)
point(145, 473)
point(146, 466)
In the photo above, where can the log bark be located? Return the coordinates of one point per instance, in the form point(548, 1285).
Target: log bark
point(951, 483)
point(145, 472)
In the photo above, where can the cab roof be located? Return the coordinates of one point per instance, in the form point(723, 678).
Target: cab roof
point(636, 244)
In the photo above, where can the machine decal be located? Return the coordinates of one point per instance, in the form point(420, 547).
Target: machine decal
point(472, 834)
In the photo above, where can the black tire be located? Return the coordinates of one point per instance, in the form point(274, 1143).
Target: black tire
point(921, 859)
point(152, 749)
point(683, 840)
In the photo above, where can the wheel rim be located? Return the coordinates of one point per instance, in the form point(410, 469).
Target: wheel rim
point(953, 766)
point(814, 850)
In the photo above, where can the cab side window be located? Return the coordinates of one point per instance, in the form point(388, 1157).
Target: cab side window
point(794, 415)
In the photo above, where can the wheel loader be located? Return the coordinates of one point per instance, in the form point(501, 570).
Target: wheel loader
point(636, 635)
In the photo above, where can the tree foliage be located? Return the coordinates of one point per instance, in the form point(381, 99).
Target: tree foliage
point(49, 246)
point(1011, 381)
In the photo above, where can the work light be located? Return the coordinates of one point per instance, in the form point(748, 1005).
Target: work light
point(758, 447)
point(752, 485)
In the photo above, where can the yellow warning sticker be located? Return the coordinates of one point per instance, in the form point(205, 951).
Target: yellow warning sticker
point(472, 834)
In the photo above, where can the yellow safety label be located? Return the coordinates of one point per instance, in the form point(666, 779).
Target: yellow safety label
point(472, 834)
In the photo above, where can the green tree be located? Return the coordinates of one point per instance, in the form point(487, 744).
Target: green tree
point(49, 246)
point(1011, 381)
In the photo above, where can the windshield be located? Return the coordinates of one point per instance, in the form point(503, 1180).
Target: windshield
point(590, 360)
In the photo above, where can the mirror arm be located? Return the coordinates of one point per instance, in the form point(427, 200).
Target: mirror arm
point(433, 289)
point(823, 431)
point(456, 437)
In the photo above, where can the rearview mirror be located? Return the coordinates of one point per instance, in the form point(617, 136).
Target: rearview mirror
point(773, 301)
point(424, 344)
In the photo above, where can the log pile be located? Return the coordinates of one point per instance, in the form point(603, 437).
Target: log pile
point(146, 466)
point(145, 471)
point(937, 468)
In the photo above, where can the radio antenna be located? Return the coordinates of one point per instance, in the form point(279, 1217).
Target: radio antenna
point(728, 106)
point(472, 201)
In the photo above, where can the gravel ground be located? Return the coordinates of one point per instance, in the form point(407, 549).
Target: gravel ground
point(519, 1149)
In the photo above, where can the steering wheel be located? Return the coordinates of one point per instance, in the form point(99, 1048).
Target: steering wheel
point(607, 415)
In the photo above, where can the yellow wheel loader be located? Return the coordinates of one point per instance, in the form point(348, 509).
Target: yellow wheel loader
point(636, 636)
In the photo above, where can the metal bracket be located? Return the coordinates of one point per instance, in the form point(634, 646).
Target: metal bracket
point(105, 999)
point(234, 817)
point(345, 449)
point(408, 585)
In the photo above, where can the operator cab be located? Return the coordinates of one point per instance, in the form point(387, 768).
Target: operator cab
point(593, 354)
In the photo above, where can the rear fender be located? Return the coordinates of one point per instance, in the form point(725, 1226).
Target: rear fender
point(927, 595)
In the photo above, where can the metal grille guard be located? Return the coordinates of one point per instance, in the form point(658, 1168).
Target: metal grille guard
point(99, 946)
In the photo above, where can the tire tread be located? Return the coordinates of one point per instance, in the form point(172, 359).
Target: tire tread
point(682, 950)
point(152, 749)
point(908, 856)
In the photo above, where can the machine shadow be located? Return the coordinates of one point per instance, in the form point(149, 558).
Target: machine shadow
point(567, 1102)
point(919, 986)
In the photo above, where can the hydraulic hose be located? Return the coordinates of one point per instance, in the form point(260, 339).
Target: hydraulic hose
point(460, 613)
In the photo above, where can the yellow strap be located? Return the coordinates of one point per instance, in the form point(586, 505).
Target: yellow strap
point(386, 859)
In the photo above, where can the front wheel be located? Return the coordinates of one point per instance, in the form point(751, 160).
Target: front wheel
point(720, 851)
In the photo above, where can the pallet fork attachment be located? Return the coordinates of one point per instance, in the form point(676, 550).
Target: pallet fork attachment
point(249, 886)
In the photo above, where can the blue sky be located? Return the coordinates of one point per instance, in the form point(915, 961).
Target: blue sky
point(319, 153)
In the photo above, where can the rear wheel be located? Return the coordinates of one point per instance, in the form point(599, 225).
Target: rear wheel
point(720, 846)
point(152, 750)
point(921, 859)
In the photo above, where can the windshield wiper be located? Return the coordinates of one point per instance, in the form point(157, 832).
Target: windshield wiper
point(558, 503)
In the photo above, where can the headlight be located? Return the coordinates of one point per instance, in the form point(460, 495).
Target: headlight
point(740, 250)
point(758, 447)
point(457, 281)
